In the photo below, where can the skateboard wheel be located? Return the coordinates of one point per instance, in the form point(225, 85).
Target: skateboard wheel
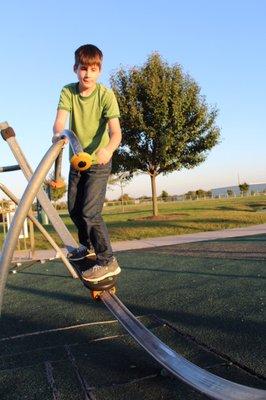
point(96, 294)
point(81, 161)
point(113, 290)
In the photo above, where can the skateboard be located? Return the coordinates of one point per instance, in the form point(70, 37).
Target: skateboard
point(96, 288)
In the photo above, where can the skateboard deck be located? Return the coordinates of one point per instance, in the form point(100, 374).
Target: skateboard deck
point(96, 288)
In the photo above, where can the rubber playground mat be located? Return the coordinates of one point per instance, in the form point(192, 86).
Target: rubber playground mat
point(205, 300)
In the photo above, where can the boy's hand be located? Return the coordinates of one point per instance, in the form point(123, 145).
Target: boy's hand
point(59, 136)
point(103, 156)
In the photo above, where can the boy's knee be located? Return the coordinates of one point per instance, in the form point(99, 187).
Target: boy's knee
point(92, 217)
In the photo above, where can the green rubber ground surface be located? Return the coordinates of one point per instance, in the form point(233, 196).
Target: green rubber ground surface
point(205, 300)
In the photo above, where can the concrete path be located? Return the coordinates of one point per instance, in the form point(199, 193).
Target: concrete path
point(188, 238)
point(46, 255)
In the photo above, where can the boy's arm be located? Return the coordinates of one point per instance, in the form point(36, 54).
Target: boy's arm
point(59, 124)
point(105, 154)
point(115, 134)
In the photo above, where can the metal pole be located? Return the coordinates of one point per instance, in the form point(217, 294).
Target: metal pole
point(10, 168)
point(58, 167)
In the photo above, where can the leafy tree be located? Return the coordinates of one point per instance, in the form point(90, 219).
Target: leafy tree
point(243, 187)
point(198, 194)
point(166, 122)
point(190, 195)
point(230, 192)
point(164, 195)
point(121, 179)
point(56, 193)
point(125, 197)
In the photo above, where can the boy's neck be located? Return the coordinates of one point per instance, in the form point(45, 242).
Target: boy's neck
point(86, 92)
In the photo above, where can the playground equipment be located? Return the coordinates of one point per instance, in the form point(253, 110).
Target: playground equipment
point(9, 136)
point(207, 383)
point(26, 241)
point(26, 237)
point(37, 255)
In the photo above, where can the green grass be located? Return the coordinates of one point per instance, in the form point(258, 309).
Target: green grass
point(190, 217)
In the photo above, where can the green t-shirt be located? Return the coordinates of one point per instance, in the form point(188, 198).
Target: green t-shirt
point(89, 115)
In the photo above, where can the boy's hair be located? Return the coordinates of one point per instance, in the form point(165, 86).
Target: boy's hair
point(88, 54)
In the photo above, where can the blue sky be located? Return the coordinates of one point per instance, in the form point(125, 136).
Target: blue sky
point(221, 44)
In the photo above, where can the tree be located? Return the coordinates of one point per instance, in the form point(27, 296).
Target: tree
point(166, 122)
point(198, 194)
point(56, 193)
point(243, 187)
point(191, 195)
point(164, 195)
point(125, 197)
point(230, 193)
point(121, 179)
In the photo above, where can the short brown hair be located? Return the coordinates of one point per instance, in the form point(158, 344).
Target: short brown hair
point(88, 54)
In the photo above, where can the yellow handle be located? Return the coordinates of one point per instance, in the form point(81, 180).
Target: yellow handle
point(81, 161)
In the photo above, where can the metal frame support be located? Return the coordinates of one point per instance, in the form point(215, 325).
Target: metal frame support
point(44, 232)
point(9, 136)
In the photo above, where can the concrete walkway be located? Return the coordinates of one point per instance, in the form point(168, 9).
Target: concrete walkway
point(188, 238)
point(50, 254)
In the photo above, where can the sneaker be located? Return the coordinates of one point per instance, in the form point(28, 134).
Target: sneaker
point(78, 254)
point(100, 272)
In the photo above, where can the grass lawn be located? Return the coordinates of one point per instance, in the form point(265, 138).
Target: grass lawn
point(176, 218)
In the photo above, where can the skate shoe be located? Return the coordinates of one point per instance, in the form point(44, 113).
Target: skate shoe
point(100, 272)
point(78, 253)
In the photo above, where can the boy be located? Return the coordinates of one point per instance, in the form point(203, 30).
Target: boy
point(94, 117)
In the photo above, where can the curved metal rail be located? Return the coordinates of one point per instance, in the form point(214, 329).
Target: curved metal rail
point(73, 141)
point(207, 383)
point(22, 212)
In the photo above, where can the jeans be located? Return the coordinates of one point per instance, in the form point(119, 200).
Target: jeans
point(86, 195)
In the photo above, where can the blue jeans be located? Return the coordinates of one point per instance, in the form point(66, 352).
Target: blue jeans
point(86, 195)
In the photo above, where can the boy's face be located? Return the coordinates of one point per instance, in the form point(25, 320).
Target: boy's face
point(87, 76)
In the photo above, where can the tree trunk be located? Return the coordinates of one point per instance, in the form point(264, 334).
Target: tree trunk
point(122, 197)
point(154, 194)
